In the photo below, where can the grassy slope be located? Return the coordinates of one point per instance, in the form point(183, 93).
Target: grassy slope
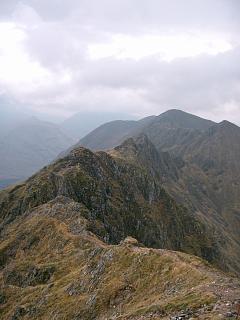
point(53, 267)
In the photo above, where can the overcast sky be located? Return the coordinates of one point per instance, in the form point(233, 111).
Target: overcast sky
point(137, 56)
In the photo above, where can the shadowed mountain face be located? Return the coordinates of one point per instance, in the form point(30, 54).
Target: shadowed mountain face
point(10, 115)
point(206, 164)
point(211, 177)
point(82, 123)
point(111, 134)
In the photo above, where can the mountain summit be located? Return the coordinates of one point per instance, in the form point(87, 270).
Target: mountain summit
point(180, 119)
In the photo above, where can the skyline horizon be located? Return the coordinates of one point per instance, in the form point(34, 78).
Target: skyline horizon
point(115, 114)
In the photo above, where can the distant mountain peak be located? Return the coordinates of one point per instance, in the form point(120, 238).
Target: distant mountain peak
point(225, 127)
point(227, 124)
point(181, 119)
point(174, 111)
point(178, 112)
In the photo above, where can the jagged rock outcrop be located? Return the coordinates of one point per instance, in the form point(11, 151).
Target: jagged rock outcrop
point(204, 169)
point(120, 198)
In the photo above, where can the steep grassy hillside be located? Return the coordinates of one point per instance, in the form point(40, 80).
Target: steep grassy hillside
point(53, 267)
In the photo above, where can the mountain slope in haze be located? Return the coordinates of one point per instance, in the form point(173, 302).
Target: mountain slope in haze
point(109, 134)
point(10, 116)
point(82, 123)
point(213, 159)
point(175, 128)
point(209, 176)
point(113, 133)
point(29, 147)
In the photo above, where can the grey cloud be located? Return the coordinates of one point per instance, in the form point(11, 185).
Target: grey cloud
point(64, 28)
point(204, 84)
point(184, 75)
point(6, 8)
point(125, 15)
point(137, 15)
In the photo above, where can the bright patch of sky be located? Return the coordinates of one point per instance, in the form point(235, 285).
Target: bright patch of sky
point(167, 48)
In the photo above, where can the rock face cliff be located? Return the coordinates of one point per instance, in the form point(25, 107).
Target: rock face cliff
point(204, 156)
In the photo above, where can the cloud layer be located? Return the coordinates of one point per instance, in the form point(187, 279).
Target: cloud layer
point(138, 56)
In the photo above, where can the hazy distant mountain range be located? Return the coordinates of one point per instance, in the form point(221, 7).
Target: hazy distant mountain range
point(135, 232)
point(29, 146)
point(82, 123)
point(10, 117)
point(27, 143)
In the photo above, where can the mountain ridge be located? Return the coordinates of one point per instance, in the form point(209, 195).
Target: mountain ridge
point(98, 138)
point(94, 233)
point(206, 165)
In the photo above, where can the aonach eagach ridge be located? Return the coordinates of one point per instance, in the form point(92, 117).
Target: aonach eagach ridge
point(139, 220)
